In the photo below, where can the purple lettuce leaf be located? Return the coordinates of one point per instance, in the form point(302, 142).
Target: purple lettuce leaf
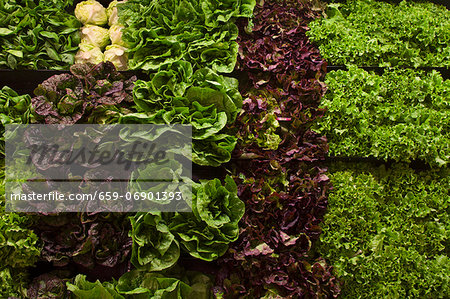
point(90, 94)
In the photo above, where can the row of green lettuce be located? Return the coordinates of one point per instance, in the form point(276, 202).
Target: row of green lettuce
point(46, 34)
point(400, 115)
point(386, 231)
point(379, 33)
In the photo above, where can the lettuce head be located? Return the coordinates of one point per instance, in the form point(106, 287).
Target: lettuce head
point(115, 34)
point(118, 56)
point(111, 12)
point(95, 35)
point(89, 53)
point(91, 12)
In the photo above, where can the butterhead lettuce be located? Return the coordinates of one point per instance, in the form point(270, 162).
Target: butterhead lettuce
point(95, 35)
point(118, 56)
point(89, 54)
point(91, 12)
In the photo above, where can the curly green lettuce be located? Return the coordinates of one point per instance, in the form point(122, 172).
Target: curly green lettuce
point(400, 115)
point(378, 33)
point(386, 231)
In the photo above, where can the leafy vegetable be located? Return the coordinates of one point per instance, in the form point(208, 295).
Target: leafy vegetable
point(272, 257)
point(86, 240)
point(205, 233)
point(400, 115)
point(156, 285)
point(85, 289)
point(95, 35)
point(14, 109)
point(275, 122)
point(49, 285)
point(398, 242)
point(111, 12)
point(115, 34)
point(13, 282)
point(154, 246)
point(203, 99)
point(37, 36)
point(281, 73)
point(213, 224)
point(19, 249)
point(18, 245)
point(140, 284)
point(201, 32)
point(90, 94)
point(91, 12)
point(89, 54)
point(118, 56)
point(376, 33)
point(275, 40)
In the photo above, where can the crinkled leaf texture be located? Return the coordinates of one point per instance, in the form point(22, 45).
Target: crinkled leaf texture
point(87, 240)
point(213, 224)
point(205, 233)
point(401, 115)
point(398, 242)
point(200, 32)
point(176, 283)
point(378, 33)
point(203, 99)
point(284, 206)
point(154, 246)
point(90, 94)
point(37, 35)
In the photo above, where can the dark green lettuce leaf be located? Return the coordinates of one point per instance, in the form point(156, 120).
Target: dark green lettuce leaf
point(154, 246)
point(37, 34)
